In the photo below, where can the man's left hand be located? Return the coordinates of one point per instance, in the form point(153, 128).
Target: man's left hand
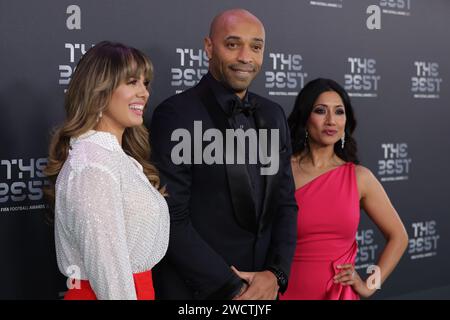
point(262, 285)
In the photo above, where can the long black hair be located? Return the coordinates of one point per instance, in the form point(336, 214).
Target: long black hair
point(302, 110)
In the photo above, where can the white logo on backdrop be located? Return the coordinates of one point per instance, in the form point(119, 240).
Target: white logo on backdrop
point(396, 164)
point(192, 66)
point(426, 84)
point(424, 240)
point(22, 182)
point(286, 76)
point(362, 80)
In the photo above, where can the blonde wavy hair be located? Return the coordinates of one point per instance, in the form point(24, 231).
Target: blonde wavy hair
point(99, 72)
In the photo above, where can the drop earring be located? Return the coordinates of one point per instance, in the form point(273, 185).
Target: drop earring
point(305, 143)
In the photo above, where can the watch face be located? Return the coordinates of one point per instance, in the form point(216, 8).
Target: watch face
point(282, 281)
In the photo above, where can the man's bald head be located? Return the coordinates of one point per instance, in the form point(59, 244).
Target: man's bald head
point(230, 16)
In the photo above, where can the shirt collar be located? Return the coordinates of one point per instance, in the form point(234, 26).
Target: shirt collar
point(103, 139)
point(223, 94)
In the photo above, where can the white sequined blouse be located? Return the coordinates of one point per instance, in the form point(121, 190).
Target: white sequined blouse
point(110, 222)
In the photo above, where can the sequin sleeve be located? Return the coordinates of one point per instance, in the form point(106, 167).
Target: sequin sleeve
point(99, 229)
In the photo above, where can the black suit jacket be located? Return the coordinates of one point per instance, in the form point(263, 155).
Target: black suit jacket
point(213, 220)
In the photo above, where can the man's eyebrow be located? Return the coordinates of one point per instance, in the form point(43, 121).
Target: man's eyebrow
point(233, 38)
point(239, 38)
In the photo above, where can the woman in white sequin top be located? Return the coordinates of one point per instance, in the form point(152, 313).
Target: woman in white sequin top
point(111, 219)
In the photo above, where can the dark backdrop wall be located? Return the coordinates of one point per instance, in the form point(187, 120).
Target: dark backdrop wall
point(391, 55)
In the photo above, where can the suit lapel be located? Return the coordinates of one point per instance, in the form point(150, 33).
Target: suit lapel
point(238, 178)
point(270, 180)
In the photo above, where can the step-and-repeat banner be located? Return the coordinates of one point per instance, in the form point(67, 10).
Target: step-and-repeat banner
point(392, 56)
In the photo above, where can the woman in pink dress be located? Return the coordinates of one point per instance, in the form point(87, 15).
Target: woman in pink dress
point(331, 188)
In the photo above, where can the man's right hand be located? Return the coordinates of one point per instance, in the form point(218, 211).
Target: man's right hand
point(242, 291)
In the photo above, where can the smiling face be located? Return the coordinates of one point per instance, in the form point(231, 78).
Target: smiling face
point(235, 49)
point(126, 106)
point(326, 123)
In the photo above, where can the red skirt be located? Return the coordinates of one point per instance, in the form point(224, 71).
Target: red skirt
point(142, 282)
